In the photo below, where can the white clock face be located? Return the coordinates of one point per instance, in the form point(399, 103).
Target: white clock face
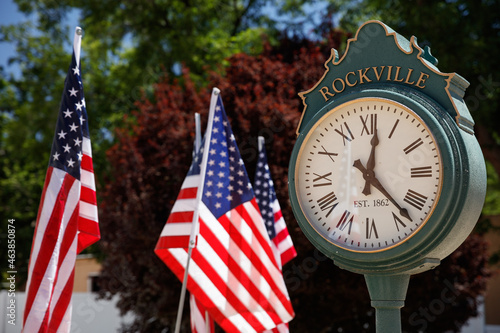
point(368, 175)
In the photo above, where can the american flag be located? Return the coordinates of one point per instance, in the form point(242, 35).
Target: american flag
point(270, 209)
point(233, 272)
point(67, 216)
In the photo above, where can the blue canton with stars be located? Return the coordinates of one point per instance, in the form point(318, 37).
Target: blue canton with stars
point(71, 125)
point(264, 192)
point(226, 181)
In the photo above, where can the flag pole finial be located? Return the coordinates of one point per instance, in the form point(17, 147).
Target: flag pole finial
point(79, 31)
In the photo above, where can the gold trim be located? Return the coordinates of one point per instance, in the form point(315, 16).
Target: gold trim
point(346, 104)
point(448, 77)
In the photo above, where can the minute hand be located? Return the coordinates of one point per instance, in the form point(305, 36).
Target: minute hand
point(402, 211)
point(371, 179)
point(370, 165)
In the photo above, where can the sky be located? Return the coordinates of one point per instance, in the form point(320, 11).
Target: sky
point(9, 14)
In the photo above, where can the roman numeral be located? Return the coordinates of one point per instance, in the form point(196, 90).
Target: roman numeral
point(344, 222)
point(393, 128)
point(415, 199)
point(327, 153)
point(371, 230)
point(414, 145)
point(322, 180)
point(398, 221)
point(329, 201)
point(345, 137)
point(372, 124)
point(421, 172)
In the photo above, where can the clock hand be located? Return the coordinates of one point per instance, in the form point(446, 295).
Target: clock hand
point(370, 165)
point(371, 179)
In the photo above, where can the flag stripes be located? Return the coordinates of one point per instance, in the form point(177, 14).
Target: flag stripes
point(177, 230)
point(282, 240)
point(221, 262)
point(51, 251)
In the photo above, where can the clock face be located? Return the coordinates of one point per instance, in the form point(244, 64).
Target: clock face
point(368, 175)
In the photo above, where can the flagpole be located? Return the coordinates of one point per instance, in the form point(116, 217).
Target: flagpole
point(197, 138)
point(197, 144)
point(261, 142)
point(194, 228)
point(77, 44)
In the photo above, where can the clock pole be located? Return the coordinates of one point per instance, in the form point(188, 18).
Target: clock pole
point(387, 294)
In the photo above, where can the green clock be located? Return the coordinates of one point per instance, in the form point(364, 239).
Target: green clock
point(386, 176)
point(368, 175)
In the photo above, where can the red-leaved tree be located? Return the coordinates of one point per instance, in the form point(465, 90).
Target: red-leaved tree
point(149, 163)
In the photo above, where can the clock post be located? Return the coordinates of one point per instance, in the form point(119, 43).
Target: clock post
point(387, 294)
point(384, 165)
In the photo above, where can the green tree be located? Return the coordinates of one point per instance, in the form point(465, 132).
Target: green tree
point(127, 47)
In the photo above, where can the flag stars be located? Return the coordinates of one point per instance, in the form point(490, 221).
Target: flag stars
point(67, 113)
point(70, 163)
point(72, 92)
point(79, 106)
point(56, 156)
point(62, 135)
point(66, 148)
point(76, 70)
point(73, 127)
point(227, 188)
point(77, 141)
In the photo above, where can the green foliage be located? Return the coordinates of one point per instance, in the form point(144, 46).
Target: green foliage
point(492, 204)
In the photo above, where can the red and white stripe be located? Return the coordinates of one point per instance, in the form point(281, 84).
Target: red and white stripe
point(233, 272)
point(66, 223)
point(282, 241)
point(88, 224)
point(177, 230)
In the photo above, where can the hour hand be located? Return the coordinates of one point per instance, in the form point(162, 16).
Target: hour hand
point(368, 176)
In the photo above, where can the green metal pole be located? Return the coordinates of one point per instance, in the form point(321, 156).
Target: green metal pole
point(387, 293)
